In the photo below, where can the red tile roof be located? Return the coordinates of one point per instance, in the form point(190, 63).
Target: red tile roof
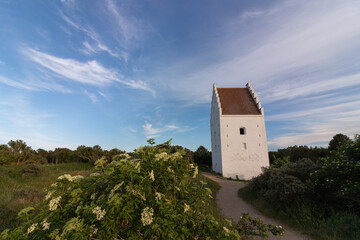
point(237, 101)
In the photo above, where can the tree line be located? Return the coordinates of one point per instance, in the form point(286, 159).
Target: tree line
point(18, 152)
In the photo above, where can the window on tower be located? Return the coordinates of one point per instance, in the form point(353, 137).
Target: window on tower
point(242, 131)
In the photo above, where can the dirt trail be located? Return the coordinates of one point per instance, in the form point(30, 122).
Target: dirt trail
point(232, 206)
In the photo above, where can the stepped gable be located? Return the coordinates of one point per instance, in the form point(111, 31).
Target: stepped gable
point(237, 101)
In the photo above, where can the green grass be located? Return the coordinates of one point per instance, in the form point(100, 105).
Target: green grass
point(337, 226)
point(20, 189)
point(214, 186)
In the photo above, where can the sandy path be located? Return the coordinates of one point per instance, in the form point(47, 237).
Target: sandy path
point(233, 206)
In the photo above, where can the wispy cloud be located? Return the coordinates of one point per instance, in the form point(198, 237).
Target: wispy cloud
point(150, 131)
point(35, 85)
point(91, 96)
point(318, 122)
point(91, 72)
point(97, 45)
point(129, 28)
point(16, 84)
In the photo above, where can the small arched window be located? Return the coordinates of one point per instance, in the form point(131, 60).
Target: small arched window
point(242, 131)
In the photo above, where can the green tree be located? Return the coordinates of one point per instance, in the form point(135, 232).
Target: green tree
point(89, 154)
point(338, 140)
point(338, 181)
point(6, 155)
point(23, 152)
point(42, 155)
point(202, 156)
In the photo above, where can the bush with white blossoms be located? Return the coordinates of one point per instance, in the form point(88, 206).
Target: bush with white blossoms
point(133, 197)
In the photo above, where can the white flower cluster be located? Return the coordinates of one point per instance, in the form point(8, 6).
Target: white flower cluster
point(124, 156)
point(170, 170)
point(158, 196)
point(138, 166)
point(147, 216)
point(45, 224)
point(53, 204)
point(54, 184)
point(100, 214)
point(32, 228)
point(226, 230)
point(69, 177)
point(48, 195)
point(115, 188)
point(196, 170)
point(186, 207)
point(164, 156)
point(94, 174)
point(175, 156)
point(93, 229)
point(151, 174)
point(92, 197)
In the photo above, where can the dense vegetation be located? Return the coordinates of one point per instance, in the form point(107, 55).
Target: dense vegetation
point(22, 186)
point(152, 193)
point(18, 152)
point(320, 195)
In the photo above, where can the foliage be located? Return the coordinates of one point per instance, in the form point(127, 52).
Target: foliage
point(202, 156)
point(62, 155)
point(248, 226)
point(323, 197)
point(18, 190)
point(17, 152)
point(151, 193)
point(337, 141)
point(21, 153)
point(89, 154)
point(338, 179)
point(6, 155)
point(32, 170)
point(279, 162)
point(313, 219)
point(154, 194)
point(287, 184)
point(295, 153)
point(341, 226)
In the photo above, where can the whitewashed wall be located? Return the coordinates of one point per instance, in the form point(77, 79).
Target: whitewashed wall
point(236, 159)
point(215, 133)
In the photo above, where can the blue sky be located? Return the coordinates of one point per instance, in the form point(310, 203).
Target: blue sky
point(115, 73)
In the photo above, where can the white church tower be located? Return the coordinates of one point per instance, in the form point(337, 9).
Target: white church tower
point(238, 136)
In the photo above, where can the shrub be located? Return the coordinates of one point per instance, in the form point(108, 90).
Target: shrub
point(153, 194)
point(278, 187)
point(31, 170)
point(338, 181)
point(6, 156)
point(251, 227)
point(202, 156)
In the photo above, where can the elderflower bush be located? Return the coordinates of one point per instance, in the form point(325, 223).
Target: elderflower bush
point(149, 194)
